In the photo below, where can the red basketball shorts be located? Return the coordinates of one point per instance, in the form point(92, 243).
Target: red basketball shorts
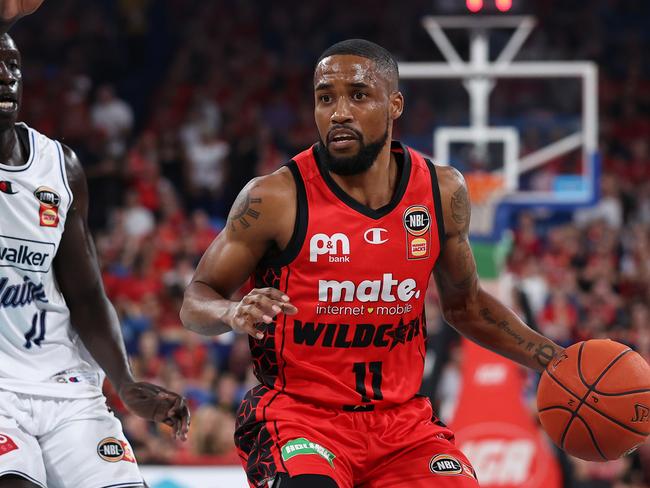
point(400, 447)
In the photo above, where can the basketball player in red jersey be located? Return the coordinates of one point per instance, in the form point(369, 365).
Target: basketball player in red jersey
point(341, 243)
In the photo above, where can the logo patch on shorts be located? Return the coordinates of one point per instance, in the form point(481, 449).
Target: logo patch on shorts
point(114, 450)
point(447, 465)
point(7, 444)
point(299, 446)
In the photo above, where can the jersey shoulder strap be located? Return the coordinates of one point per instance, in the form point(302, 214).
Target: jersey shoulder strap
point(289, 253)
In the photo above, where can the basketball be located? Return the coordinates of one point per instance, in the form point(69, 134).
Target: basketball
point(594, 400)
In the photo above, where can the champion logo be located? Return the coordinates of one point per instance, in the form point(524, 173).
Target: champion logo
point(376, 235)
point(6, 187)
point(6, 444)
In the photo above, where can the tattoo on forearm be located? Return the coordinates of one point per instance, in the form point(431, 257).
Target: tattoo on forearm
point(466, 283)
point(544, 353)
point(504, 325)
point(466, 265)
point(242, 212)
point(460, 207)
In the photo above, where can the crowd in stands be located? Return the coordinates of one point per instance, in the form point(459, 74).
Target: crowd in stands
point(173, 105)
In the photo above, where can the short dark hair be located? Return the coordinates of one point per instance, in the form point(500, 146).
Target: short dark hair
point(384, 60)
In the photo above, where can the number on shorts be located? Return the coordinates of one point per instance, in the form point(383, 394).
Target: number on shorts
point(374, 368)
point(37, 330)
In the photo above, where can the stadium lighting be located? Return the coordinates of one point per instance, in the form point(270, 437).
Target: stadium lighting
point(503, 5)
point(474, 5)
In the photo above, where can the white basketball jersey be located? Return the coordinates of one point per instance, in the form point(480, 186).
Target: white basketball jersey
point(40, 353)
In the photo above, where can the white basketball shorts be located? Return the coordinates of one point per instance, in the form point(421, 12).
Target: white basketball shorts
point(64, 443)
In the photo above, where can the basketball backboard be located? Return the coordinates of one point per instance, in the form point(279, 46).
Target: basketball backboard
point(499, 180)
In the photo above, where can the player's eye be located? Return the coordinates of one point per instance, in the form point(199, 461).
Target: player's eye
point(358, 96)
point(325, 98)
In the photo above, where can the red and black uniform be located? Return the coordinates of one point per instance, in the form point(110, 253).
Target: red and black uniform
point(339, 380)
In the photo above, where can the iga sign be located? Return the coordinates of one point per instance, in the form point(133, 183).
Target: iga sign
point(494, 428)
point(506, 455)
point(502, 462)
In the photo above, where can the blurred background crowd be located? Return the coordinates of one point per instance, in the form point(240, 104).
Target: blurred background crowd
point(173, 105)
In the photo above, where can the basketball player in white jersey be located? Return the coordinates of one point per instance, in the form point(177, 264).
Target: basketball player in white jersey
point(58, 331)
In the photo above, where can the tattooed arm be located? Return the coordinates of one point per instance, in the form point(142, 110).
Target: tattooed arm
point(469, 309)
point(262, 217)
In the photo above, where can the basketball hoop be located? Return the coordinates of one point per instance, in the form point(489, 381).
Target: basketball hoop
point(485, 192)
point(483, 186)
point(479, 74)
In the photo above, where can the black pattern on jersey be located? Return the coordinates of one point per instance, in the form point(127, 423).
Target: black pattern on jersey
point(253, 440)
point(404, 332)
point(265, 361)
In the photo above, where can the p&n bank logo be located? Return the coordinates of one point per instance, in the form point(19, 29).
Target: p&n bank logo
point(337, 246)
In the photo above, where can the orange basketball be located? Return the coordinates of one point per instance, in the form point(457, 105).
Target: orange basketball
point(594, 400)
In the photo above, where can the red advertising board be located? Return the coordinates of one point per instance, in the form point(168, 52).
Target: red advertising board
point(496, 430)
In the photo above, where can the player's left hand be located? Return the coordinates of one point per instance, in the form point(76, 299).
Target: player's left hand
point(155, 403)
point(12, 10)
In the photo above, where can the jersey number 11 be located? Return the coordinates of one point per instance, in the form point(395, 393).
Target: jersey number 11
point(36, 334)
point(374, 368)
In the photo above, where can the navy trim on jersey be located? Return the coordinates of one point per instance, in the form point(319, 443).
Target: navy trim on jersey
point(437, 203)
point(24, 475)
point(32, 152)
point(297, 239)
point(64, 176)
point(132, 484)
point(23, 137)
point(376, 214)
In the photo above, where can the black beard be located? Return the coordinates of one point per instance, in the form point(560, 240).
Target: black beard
point(359, 163)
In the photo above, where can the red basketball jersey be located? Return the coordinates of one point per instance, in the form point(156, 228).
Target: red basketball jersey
point(358, 277)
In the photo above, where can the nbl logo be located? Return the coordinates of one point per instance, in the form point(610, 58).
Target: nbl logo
point(337, 246)
point(417, 223)
point(417, 220)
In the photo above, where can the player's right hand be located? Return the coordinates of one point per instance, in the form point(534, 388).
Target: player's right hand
point(259, 307)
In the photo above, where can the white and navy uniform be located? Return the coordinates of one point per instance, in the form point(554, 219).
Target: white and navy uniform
point(55, 429)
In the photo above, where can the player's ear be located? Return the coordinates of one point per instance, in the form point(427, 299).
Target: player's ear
point(396, 105)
